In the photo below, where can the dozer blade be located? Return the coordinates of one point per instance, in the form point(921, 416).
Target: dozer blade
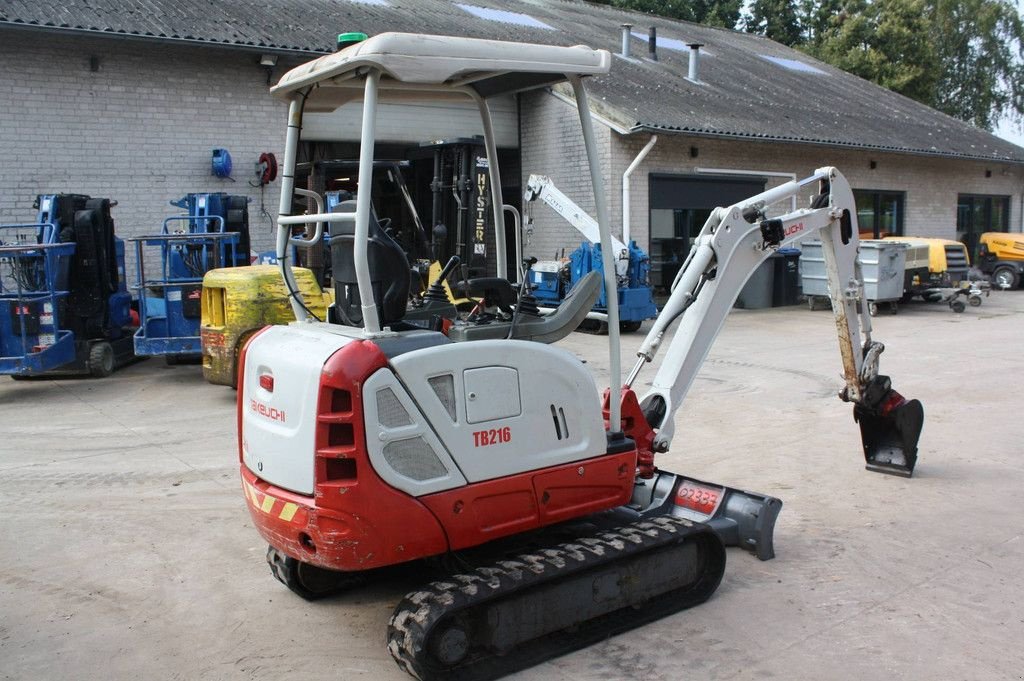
point(516, 613)
point(890, 427)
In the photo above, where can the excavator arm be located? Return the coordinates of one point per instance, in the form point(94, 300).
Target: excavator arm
point(541, 187)
point(732, 244)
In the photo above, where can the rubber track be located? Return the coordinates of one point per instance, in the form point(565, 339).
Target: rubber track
point(420, 611)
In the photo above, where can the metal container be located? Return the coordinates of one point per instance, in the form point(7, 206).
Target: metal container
point(882, 265)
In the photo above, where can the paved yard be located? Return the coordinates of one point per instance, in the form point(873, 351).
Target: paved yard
point(128, 551)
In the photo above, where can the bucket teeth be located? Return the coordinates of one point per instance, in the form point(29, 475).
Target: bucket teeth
point(890, 427)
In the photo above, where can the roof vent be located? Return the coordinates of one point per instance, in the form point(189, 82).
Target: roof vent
point(625, 39)
point(694, 74)
point(652, 44)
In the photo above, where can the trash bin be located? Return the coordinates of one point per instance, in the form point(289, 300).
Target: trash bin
point(786, 286)
point(882, 264)
point(757, 292)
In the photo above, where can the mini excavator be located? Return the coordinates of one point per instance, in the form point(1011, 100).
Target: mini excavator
point(373, 445)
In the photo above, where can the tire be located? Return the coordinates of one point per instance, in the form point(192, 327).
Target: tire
point(975, 301)
point(894, 307)
point(957, 306)
point(873, 309)
point(1005, 277)
point(629, 327)
point(101, 359)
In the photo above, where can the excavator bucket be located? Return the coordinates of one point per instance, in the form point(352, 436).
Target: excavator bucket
point(890, 427)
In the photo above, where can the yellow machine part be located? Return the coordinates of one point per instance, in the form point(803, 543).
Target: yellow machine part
point(1003, 246)
point(238, 301)
point(936, 250)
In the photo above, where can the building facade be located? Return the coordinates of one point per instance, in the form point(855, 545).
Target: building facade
point(100, 106)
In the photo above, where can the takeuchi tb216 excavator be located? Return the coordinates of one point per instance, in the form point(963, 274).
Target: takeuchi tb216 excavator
point(369, 446)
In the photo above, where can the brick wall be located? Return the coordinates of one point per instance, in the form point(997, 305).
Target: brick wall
point(140, 130)
point(552, 145)
point(931, 184)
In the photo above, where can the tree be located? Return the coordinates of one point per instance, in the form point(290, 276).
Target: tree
point(888, 42)
point(775, 19)
point(980, 45)
point(724, 13)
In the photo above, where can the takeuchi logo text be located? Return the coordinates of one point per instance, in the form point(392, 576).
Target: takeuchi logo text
point(263, 410)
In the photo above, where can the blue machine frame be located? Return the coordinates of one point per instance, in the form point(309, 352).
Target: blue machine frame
point(636, 302)
point(28, 346)
point(169, 306)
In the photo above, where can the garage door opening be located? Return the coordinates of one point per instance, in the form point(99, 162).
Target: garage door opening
point(679, 207)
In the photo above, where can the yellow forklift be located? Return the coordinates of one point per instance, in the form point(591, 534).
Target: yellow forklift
point(239, 301)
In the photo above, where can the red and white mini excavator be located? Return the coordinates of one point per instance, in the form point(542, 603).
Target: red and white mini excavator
point(374, 438)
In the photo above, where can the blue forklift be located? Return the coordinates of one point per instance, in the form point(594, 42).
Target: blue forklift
point(64, 306)
point(213, 233)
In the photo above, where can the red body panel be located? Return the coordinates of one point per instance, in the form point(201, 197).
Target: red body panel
point(355, 521)
point(488, 510)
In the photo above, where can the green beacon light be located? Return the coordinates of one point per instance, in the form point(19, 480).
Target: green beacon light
point(346, 39)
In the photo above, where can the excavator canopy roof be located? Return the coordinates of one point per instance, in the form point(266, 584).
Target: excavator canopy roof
point(410, 61)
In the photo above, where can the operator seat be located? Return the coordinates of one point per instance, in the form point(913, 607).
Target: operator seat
point(389, 270)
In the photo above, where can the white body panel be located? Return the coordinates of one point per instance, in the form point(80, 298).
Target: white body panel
point(553, 388)
point(403, 449)
point(279, 427)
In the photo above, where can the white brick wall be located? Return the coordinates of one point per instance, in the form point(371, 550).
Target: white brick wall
point(552, 145)
point(931, 184)
point(140, 130)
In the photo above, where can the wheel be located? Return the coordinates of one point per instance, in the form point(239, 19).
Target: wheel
point(894, 307)
point(308, 581)
point(101, 359)
point(629, 327)
point(873, 309)
point(1005, 277)
point(957, 306)
point(171, 360)
point(975, 301)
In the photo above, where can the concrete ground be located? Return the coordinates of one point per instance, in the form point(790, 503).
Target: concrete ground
point(128, 551)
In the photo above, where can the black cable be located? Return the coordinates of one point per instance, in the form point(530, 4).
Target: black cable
point(292, 293)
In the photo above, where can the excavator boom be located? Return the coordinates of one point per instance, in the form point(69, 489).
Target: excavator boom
point(732, 244)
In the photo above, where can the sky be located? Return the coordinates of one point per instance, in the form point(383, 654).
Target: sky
point(1006, 131)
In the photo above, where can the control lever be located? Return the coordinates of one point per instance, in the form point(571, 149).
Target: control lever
point(436, 290)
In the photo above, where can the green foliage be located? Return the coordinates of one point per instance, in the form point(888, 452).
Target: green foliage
point(980, 44)
point(725, 13)
point(775, 19)
point(888, 42)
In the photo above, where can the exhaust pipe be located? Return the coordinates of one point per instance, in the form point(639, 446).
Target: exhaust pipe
point(694, 71)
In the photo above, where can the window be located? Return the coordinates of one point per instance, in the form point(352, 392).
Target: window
point(879, 213)
point(980, 213)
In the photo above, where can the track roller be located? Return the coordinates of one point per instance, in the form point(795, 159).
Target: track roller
point(309, 581)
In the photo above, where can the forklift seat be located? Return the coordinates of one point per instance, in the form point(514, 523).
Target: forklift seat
point(389, 270)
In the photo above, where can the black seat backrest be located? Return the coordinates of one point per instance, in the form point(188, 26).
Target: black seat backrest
point(389, 270)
